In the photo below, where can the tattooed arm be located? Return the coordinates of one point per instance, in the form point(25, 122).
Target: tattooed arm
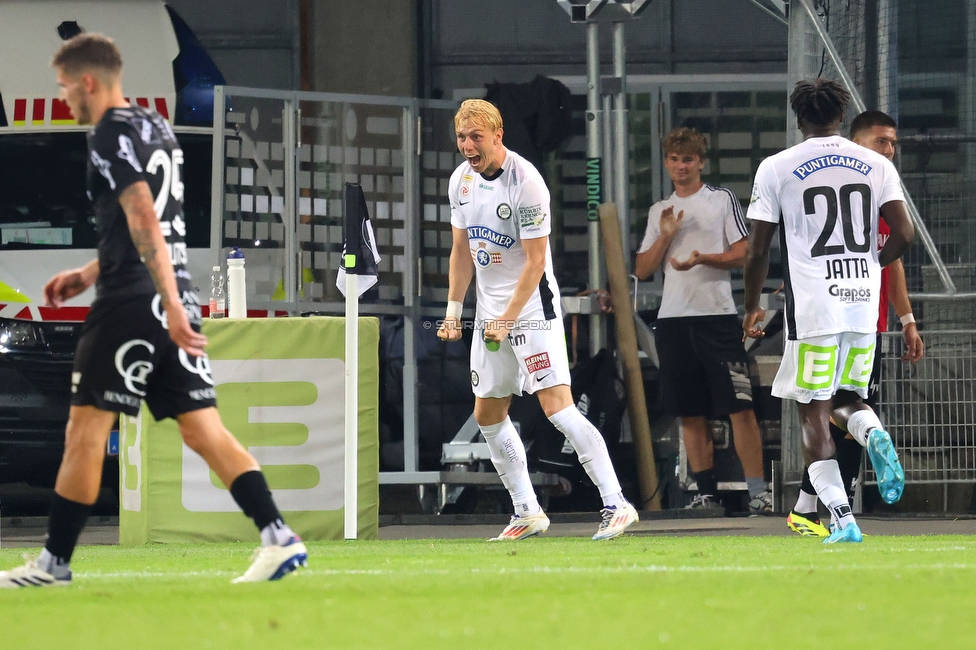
point(137, 203)
point(68, 284)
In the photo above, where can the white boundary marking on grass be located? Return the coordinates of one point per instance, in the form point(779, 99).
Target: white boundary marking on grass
point(650, 568)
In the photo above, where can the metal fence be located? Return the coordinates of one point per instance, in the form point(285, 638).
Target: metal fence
point(281, 161)
point(930, 408)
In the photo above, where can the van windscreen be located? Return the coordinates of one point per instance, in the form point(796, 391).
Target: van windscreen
point(43, 202)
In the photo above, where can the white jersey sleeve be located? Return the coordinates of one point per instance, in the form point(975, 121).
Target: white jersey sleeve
point(457, 219)
point(532, 208)
point(891, 187)
point(764, 203)
point(735, 224)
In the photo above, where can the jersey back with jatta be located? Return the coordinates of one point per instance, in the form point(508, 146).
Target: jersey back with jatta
point(826, 193)
point(129, 145)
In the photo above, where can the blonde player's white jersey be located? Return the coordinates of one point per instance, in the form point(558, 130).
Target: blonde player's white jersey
point(826, 194)
point(712, 222)
point(497, 215)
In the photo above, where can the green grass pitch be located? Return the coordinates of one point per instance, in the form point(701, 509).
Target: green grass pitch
point(633, 592)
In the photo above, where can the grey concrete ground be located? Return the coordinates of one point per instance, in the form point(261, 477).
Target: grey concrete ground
point(29, 531)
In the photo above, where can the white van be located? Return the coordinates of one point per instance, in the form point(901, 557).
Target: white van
point(46, 220)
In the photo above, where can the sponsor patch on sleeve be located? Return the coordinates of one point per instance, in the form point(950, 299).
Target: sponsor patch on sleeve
point(531, 216)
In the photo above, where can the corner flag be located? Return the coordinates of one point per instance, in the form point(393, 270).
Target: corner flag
point(359, 254)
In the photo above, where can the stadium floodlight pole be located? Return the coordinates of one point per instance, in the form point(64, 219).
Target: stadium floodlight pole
point(585, 11)
point(622, 131)
point(593, 161)
point(621, 172)
point(920, 229)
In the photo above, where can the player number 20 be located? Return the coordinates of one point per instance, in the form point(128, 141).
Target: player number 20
point(172, 185)
point(840, 202)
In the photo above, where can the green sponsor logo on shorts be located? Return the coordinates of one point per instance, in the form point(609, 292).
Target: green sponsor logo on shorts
point(817, 364)
point(857, 368)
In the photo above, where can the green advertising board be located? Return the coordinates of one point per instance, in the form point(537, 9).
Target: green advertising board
point(280, 384)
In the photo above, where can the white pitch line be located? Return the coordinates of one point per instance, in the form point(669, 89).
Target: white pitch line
point(651, 568)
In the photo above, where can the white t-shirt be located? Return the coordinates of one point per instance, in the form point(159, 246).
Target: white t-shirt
point(712, 222)
point(498, 214)
point(827, 193)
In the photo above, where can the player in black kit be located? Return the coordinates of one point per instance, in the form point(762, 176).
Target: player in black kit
point(142, 338)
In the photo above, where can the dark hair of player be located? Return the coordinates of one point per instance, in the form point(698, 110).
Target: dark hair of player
point(819, 102)
point(869, 119)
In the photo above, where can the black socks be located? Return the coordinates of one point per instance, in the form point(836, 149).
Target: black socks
point(250, 491)
point(66, 521)
point(707, 481)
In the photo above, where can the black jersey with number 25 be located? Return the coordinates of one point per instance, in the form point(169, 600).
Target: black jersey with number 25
point(129, 145)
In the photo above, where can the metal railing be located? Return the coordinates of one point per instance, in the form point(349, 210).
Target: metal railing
point(281, 161)
point(930, 408)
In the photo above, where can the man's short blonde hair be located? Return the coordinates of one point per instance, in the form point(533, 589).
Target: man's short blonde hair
point(685, 141)
point(482, 113)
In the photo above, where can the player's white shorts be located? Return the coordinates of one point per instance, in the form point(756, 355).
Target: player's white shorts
point(528, 360)
point(816, 368)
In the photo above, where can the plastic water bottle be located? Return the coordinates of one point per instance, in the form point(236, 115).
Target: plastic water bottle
point(236, 292)
point(216, 293)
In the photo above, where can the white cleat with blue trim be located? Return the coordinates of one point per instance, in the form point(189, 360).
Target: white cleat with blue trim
point(275, 562)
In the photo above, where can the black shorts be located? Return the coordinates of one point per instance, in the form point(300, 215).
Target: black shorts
point(125, 355)
point(704, 366)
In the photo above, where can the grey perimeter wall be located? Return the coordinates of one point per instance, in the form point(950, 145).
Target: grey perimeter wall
point(432, 47)
point(479, 41)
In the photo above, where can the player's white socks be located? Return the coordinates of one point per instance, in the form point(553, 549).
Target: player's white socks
point(861, 424)
point(508, 457)
point(592, 452)
point(53, 565)
point(277, 533)
point(825, 476)
point(806, 502)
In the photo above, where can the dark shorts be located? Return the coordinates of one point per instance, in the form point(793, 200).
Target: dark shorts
point(125, 355)
point(704, 366)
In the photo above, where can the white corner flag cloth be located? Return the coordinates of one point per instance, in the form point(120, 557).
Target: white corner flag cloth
point(370, 260)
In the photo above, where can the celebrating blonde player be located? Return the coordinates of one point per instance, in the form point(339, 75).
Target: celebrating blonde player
point(501, 218)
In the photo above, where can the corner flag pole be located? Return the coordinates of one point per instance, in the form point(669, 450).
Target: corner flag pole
point(352, 263)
